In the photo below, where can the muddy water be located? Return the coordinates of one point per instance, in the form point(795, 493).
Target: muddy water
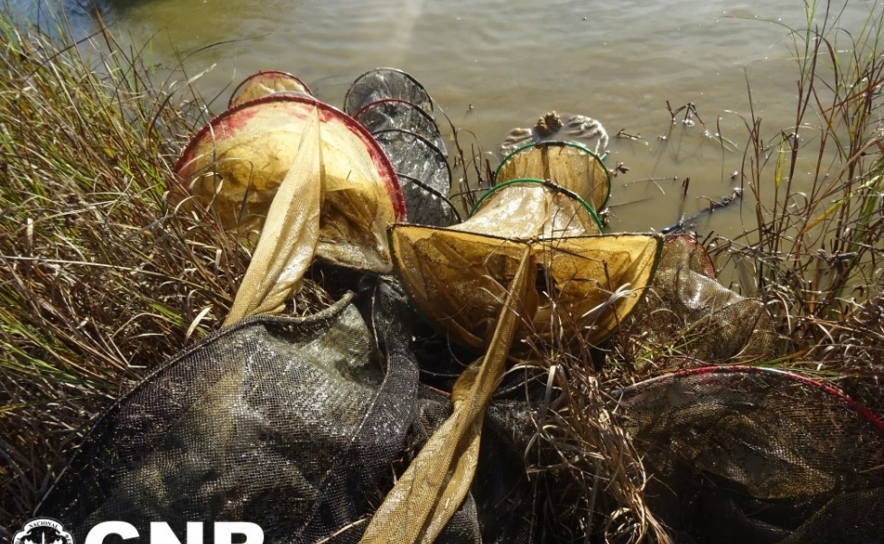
point(496, 64)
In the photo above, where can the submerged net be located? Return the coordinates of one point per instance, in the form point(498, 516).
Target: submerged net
point(754, 455)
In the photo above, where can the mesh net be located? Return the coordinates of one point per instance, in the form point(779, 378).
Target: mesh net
point(391, 113)
point(296, 424)
point(383, 83)
point(305, 425)
point(711, 323)
point(417, 158)
point(425, 205)
point(235, 164)
point(458, 277)
point(424, 170)
point(264, 83)
point(753, 455)
point(395, 108)
point(567, 165)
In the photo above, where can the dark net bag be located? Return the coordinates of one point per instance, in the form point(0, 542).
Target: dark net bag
point(746, 454)
point(295, 424)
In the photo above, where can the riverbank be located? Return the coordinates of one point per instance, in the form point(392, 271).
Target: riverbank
point(101, 280)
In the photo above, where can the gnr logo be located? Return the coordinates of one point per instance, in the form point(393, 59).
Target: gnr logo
point(50, 531)
point(161, 533)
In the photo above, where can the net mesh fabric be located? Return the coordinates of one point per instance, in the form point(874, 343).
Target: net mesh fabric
point(423, 168)
point(235, 164)
point(754, 455)
point(713, 323)
point(396, 109)
point(296, 424)
point(567, 165)
point(302, 425)
point(264, 83)
point(384, 83)
point(391, 113)
point(414, 156)
point(425, 205)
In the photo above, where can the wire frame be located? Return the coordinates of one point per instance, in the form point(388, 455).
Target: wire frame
point(384, 83)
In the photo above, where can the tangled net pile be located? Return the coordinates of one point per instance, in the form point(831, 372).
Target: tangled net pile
point(308, 426)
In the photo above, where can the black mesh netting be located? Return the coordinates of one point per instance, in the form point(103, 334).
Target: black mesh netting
point(397, 110)
point(392, 113)
point(384, 83)
point(416, 158)
point(425, 205)
point(424, 176)
point(296, 424)
point(748, 455)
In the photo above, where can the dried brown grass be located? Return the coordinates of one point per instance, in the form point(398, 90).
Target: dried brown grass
point(100, 279)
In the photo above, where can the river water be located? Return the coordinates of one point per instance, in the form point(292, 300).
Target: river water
point(496, 64)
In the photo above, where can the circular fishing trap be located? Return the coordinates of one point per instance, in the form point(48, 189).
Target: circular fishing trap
point(425, 205)
point(383, 83)
point(423, 168)
point(236, 163)
point(747, 454)
point(490, 197)
point(584, 283)
point(688, 310)
point(219, 162)
point(392, 113)
point(566, 164)
point(264, 83)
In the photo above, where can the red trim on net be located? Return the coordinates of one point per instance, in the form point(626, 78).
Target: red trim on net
point(327, 112)
point(735, 369)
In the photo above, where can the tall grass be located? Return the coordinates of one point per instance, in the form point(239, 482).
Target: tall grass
point(100, 279)
point(813, 251)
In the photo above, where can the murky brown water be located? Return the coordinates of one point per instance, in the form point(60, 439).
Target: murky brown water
point(495, 64)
